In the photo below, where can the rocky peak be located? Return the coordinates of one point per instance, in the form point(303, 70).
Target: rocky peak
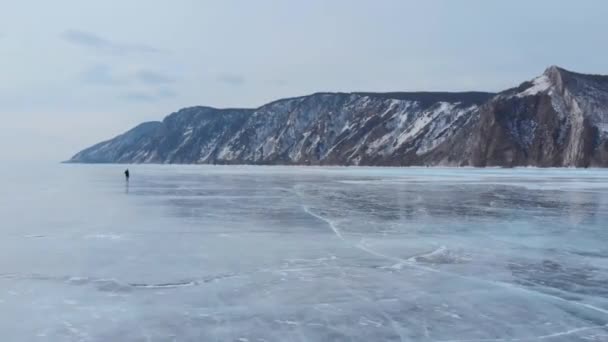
point(554, 70)
point(555, 76)
point(552, 80)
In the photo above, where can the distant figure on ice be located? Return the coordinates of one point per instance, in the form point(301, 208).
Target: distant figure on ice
point(127, 174)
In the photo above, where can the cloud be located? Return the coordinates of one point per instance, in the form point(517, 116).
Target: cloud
point(150, 96)
point(153, 77)
point(231, 79)
point(277, 83)
point(166, 92)
point(103, 75)
point(98, 43)
point(139, 97)
point(100, 75)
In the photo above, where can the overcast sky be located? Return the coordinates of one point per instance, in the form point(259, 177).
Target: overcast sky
point(76, 72)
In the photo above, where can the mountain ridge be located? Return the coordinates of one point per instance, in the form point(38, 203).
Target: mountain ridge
point(559, 118)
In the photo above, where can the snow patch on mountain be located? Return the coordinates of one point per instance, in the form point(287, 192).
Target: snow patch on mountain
point(443, 126)
point(539, 84)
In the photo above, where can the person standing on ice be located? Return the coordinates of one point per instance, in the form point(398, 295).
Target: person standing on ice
point(127, 175)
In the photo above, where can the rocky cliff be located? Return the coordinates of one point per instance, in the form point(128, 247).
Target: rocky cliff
point(557, 119)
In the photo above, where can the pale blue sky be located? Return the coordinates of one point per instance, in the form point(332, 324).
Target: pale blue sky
point(75, 72)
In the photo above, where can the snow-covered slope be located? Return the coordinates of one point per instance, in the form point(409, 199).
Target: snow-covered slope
point(558, 119)
point(324, 128)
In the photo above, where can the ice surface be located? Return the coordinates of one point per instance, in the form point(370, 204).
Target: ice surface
point(193, 253)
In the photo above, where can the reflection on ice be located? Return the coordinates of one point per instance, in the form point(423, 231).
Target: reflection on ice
point(305, 254)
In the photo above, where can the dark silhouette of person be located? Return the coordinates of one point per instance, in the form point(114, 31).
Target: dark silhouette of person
point(127, 174)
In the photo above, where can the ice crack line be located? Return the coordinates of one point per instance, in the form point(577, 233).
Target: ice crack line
point(411, 263)
point(329, 223)
point(542, 337)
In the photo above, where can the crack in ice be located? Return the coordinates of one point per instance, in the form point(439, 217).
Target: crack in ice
point(541, 337)
point(412, 263)
point(329, 223)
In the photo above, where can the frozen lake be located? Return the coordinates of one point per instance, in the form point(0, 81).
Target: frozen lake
point(204, 253)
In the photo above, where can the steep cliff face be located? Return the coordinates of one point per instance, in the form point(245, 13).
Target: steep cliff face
point(324, 128)
point(558, 119)
point(193, 135)
point(349, 129)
